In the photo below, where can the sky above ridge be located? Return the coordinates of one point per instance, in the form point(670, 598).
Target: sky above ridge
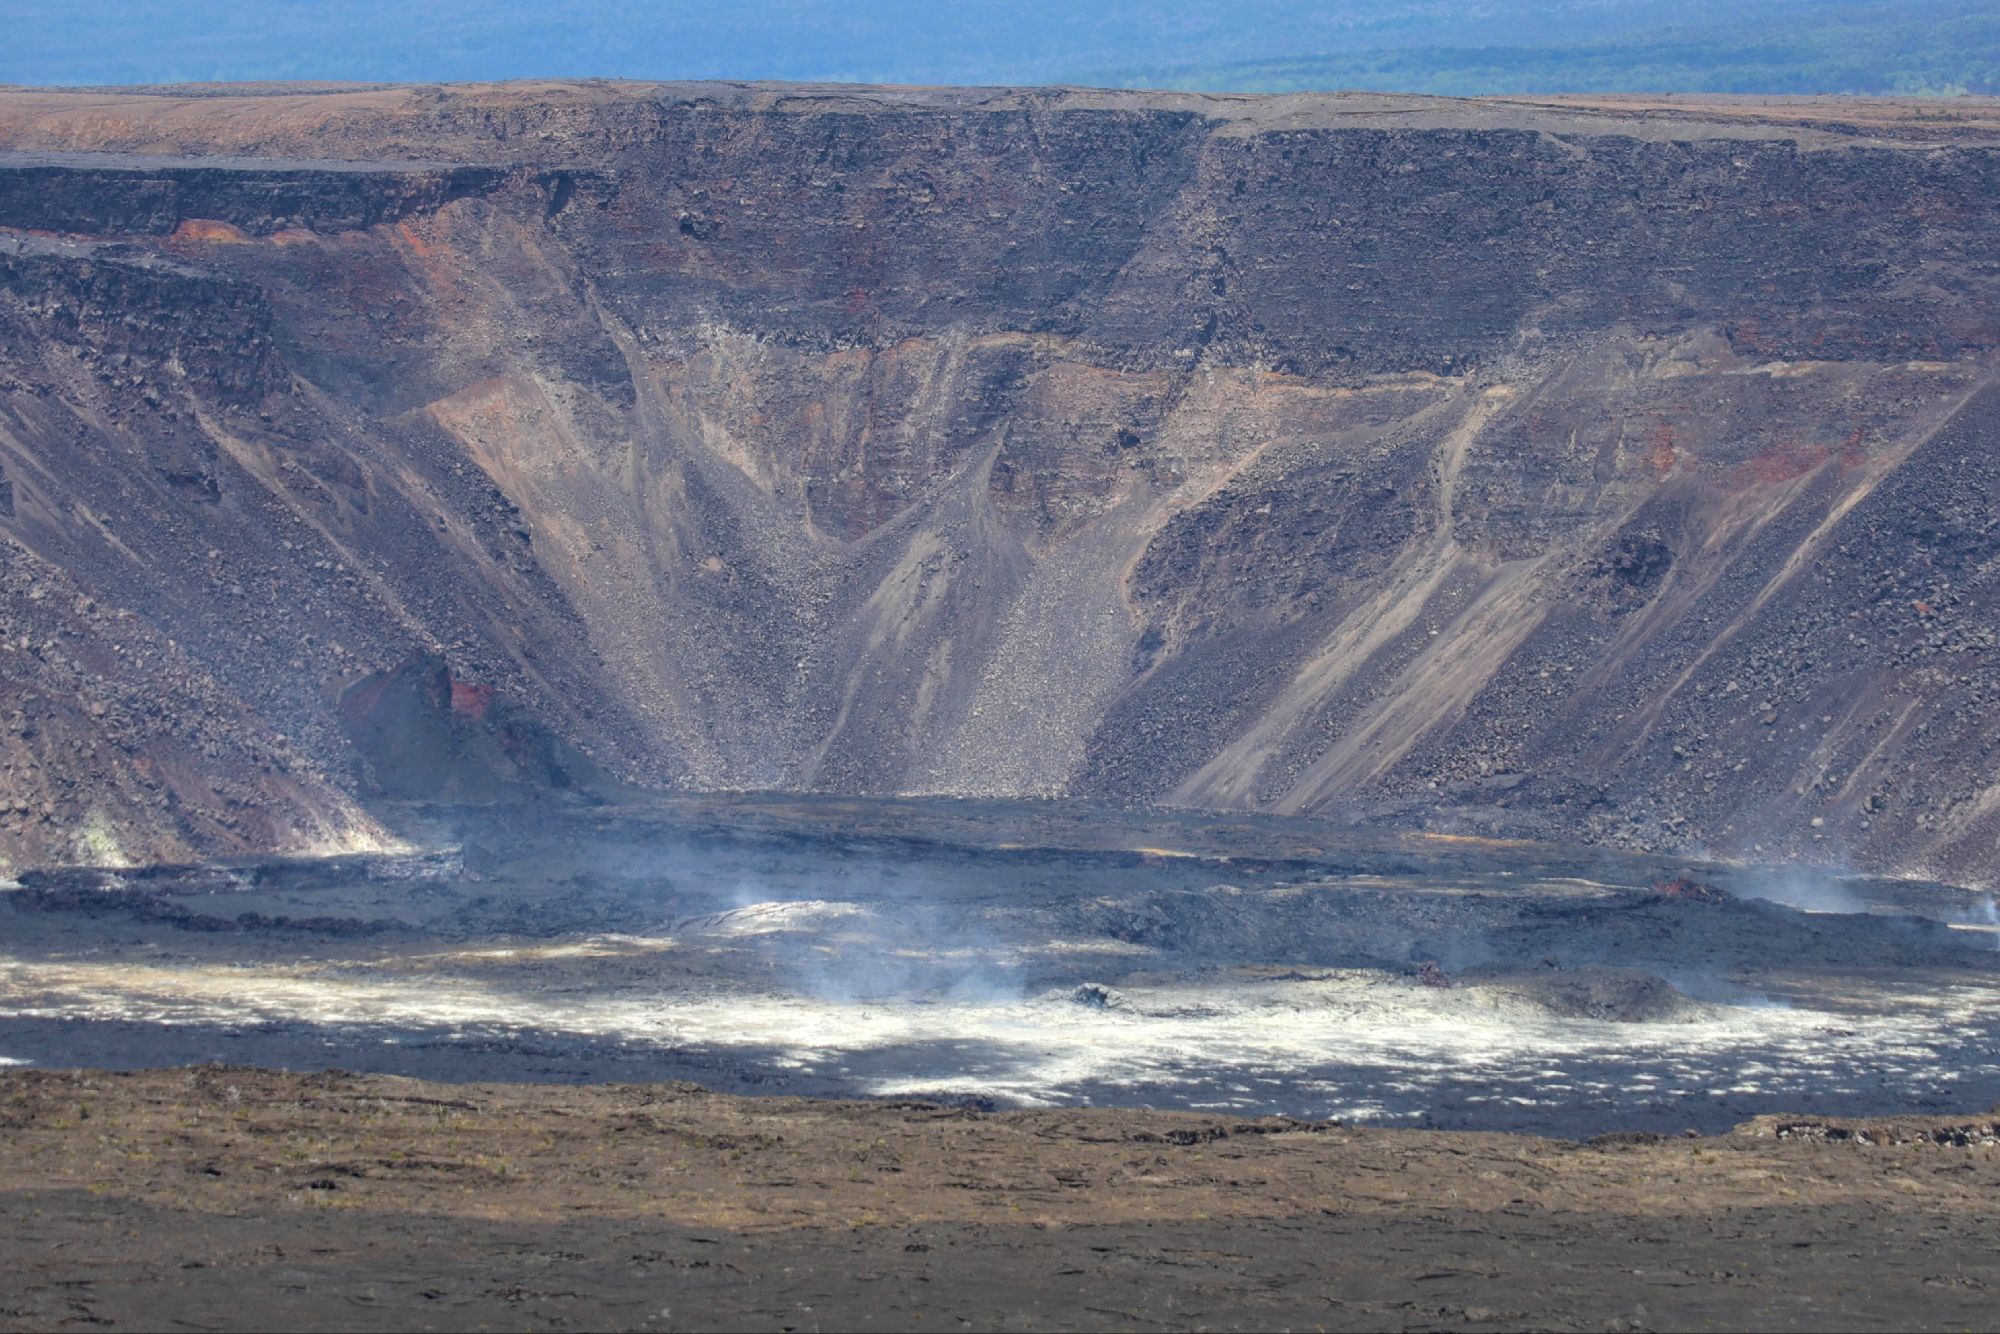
point(1450, 46)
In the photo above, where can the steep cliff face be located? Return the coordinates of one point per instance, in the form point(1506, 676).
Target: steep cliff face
point(1613, 472)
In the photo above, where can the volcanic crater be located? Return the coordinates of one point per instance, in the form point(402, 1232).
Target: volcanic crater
point(1617, 471)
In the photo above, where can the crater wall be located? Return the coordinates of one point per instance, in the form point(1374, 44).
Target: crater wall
point(1616, 471)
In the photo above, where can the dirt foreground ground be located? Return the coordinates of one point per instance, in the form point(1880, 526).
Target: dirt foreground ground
point(220, 1198)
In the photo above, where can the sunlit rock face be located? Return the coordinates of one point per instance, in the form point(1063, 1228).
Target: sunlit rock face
point(1592, 471)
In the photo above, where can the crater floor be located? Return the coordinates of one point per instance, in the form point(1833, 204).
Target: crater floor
point(1001, 955)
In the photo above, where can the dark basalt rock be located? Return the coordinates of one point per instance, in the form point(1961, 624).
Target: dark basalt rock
point(1612, 995)
point(97, 194)
point(427, 735)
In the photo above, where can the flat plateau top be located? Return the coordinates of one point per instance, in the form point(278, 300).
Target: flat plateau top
point(541, 118)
